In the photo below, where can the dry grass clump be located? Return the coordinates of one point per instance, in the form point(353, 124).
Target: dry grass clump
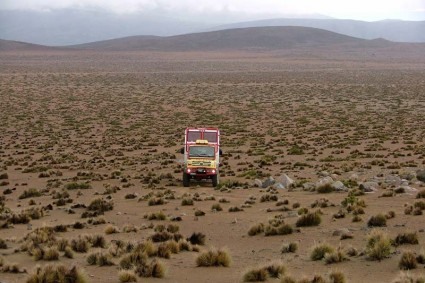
point(378, 220)
point(30, 193)
point(325, 189)
point(80, 245)
point(127, 276)
point(156, 216)
point(3, 244)
point(97, 241)
point(282, 229)
point(197, 239)
point(216, 207)
point(99, 259)
point(406, 238)
point(57, 274)
point(268, 197)
point(111, 229)
point(421, 194)
point(335, 257)
point(100, 205)
point(49, 254)
point(336, 277)
point(408, 261)
point(274, 270)
point(187, 201)
point(406, 277)
point(289, 248)
point(256, 229)
point(154, 269)
point(156, 201)
point(320, 250)
point(379, 245)
point(214, 257)
point(77, 186)
point(309, 219)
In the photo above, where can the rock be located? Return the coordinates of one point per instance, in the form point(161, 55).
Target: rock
point(420, 175)
point(341, 231)
point(392, 180)
point(285, 180)
point(308, 186)
point(369, 187)
point(258, 183)
point(334, 176)
point(268, 182)
point(323, 174)
point(408, 189)
point(339, 186)
point(354, 177)
point(279, 186)
point(408, 175)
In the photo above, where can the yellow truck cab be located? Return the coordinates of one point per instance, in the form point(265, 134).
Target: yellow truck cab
point(201, 155)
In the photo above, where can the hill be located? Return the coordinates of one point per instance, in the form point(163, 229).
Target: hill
point(393, 30)
point(258, 38)
point(10, 45)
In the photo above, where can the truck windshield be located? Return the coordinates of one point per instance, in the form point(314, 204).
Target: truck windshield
point(201, 151)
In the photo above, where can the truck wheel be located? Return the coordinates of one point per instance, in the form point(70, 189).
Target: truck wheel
point(185, 180)
point(215, 180)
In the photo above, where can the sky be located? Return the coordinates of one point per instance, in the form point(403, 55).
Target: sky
point(368, 10)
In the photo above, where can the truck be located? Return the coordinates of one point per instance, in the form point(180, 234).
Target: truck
point(201, 155)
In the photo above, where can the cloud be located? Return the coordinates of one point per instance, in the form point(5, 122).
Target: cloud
point(336, 8)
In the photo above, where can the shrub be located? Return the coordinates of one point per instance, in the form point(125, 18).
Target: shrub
point(77, 186)
point(99, 259)
point(100, 205)
point(157, 216)
point(154, 269)
point(4, 176)
point(377, 221)
point(325, 189)
point(197, 239)
point(283, 229)
point(309, 219)
point(80, 245)
point(199, 213)
point(110, 229)
point(335, 257)
point(156, 201)
point(216, 207)
point(3, 244)
point(337, 277)
point(256, 229)
point(378, 245)
point(320, 250)
point(289, 248)
point(30, 193)
point(406, 238)
point(214, 257)
point(408, 261)
point(127, 276)
point(57, 274)
point(187, 201)
point(421, 194)
point(256, 275)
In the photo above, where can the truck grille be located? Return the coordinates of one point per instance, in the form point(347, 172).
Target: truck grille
point(201, 163)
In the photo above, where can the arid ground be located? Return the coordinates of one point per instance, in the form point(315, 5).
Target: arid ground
point(89, 150)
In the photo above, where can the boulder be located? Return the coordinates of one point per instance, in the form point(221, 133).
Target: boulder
point(268, 182)
point(309, 186)
point(278, 186)
point(338, 186)
point(393, 180)
point(369, 187)
point(285, 180)
point(258, 183)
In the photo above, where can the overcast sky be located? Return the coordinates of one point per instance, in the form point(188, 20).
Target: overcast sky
point(368, 10)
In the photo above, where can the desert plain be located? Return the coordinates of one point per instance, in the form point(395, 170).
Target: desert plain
point(89, 149)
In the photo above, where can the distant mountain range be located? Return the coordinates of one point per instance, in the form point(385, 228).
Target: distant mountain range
point(258, 39)
point(73, 26)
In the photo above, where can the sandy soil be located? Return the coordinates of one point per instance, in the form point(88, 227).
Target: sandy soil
point(116, 121)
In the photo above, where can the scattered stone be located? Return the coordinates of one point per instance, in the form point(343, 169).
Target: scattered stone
point(339, 186)
point(369, 187)
point(268, 182)
point(285, 180)
point(324, 181)
point(258, 183)
point(341, 231)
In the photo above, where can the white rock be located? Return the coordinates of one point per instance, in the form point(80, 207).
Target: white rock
point(285, 180)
